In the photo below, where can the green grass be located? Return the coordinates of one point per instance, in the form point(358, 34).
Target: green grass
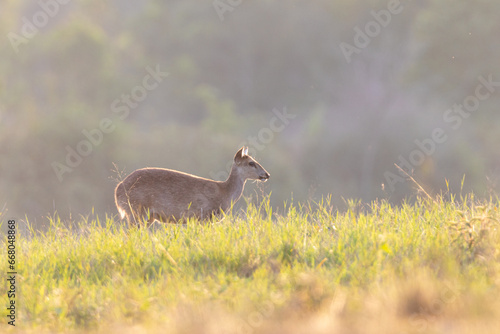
point(428, 267)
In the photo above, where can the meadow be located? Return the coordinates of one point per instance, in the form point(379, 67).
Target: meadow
point(430, 266)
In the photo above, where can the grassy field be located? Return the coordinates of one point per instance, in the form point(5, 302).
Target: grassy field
point(428, 267)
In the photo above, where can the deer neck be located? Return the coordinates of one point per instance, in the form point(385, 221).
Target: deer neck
point(234, 185)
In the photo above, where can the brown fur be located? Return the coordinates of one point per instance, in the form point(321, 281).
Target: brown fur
point(169, 195)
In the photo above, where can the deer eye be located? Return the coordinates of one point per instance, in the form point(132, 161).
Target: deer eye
point(251, 163)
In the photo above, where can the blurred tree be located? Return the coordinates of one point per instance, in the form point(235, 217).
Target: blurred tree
point(451, 37)
point(354, 119)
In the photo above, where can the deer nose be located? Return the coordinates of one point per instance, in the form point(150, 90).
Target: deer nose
point(264, 177)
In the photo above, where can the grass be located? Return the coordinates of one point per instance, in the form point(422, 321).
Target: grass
point(428, 267)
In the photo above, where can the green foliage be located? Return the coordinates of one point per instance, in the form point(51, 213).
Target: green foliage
point(375, 261)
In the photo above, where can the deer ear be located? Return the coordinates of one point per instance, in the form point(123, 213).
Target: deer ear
point(240, 154)
point(245, 151)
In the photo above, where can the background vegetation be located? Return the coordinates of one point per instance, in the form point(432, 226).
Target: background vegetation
point(353, 119)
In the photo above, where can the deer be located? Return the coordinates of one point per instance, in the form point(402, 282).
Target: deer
point(166, 195)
